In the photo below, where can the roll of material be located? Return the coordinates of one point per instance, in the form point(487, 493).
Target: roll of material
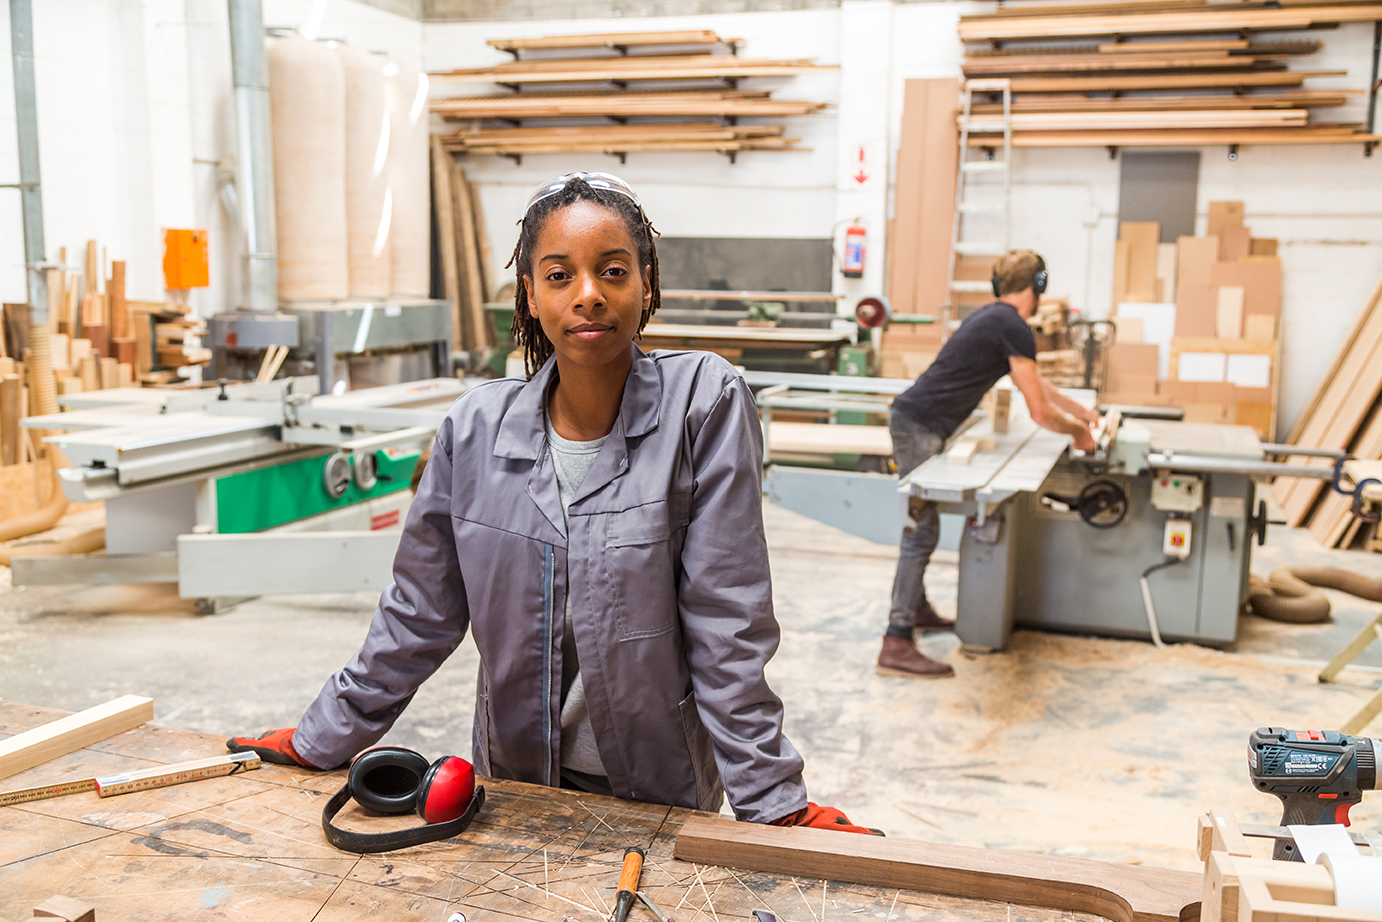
point(409, 180)
point(1357, 879)
point(307, 103)
point(368, 196)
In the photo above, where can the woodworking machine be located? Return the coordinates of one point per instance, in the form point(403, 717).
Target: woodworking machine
point(244, 489)
point(1149, 536)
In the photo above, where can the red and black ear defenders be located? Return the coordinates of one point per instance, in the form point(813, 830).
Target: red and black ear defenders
point(391, 779)
point(1038, 280)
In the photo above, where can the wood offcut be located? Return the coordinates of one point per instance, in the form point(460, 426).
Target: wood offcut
point(1121, 893)
point(73, 732)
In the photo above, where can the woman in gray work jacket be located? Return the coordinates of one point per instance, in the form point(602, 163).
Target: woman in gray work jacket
point(645, 563)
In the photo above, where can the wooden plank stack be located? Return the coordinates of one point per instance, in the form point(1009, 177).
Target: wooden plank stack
point(919, 258)
point(1214, 352)
point(685, 97)
point(1344, 414)
point(99, 339)
point(464, 250)
point(1164, 72)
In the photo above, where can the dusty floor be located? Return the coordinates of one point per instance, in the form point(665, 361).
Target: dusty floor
point(1070, 745)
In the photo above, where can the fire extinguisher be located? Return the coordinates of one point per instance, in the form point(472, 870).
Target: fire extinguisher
point(852, 265)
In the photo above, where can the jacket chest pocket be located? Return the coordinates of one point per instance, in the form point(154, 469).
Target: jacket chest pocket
point(641, 560)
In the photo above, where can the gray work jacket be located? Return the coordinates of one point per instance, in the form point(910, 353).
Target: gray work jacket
point(671, 599)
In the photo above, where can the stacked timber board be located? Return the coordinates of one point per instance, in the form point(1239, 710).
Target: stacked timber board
point(1213, 351)
point(621, 93)
point(919, 257)
point(1169, 72)
point(96, 339)
point(1342, 414)
point(463, 250)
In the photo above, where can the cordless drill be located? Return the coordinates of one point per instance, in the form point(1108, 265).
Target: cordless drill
point(1318, 774)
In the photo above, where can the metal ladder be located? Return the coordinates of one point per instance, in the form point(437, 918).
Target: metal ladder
point(969, 169)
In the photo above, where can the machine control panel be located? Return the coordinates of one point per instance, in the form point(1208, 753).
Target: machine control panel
point(1177, 540)
point(1177, 492)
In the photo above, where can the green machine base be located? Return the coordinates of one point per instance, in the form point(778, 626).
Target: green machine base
point(271, 496)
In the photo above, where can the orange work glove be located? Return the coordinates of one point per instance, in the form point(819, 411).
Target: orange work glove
point(824, 818)
point(275, 746)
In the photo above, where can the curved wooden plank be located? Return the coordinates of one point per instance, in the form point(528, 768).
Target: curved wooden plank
point(1122, 893)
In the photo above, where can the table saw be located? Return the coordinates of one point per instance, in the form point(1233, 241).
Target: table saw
point(245, 489)
point(1148, 537)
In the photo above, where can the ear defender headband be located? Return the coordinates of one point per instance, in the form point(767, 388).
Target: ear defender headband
point(393, 780)
point(606, 182)
point(1038, 280)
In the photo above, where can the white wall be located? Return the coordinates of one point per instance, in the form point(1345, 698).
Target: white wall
point(774, 194)
point(135, 109)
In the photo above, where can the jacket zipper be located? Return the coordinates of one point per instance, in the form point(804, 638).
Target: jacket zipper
point(548, 568)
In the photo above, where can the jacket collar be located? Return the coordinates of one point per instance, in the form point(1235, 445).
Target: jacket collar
point(522, 432)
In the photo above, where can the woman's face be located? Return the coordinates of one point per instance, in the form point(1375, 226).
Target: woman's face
point(586, 289)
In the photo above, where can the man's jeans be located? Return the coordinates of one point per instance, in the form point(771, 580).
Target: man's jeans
point(912, 444)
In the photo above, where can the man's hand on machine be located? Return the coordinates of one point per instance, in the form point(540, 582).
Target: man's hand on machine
point(275, 746)
point(1084, 440)
point(824, 818)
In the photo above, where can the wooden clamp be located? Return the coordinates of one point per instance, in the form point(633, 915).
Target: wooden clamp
point(1121, 893)
point(1240, 888)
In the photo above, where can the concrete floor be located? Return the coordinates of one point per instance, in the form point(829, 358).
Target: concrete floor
point(1068, 745)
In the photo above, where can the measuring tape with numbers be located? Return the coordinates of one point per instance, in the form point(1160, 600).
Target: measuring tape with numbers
point(143, 779)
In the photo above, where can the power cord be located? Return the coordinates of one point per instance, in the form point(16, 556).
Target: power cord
point(1147, 598)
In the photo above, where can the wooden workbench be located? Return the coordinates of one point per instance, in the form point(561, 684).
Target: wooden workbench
point(251, 847)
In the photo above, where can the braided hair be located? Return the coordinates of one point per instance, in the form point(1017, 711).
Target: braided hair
point(527, 331)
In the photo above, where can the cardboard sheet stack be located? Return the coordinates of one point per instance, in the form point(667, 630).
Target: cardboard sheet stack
point(1197, 322)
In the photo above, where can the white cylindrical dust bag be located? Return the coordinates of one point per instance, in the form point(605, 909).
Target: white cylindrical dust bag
point(307, 103)
point(409, 180)
point(368, 197)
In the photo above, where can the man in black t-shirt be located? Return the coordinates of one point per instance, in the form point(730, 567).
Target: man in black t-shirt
point(992, 342)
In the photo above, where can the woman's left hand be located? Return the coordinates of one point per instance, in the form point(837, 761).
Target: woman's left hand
point(824, 818)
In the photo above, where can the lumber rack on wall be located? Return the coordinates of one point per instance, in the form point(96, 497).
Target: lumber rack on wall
point(1167, 73)
point(681, 96)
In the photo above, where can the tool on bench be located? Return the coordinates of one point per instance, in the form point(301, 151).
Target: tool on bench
point(393, 780)
point(628, 882)
point(1318, 774)
point(143, 779)
point(661, 917)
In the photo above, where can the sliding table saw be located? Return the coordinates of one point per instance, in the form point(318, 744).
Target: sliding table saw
point(243, 490)
point(1149, 536)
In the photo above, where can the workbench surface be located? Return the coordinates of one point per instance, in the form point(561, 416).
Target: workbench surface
point(251, 847)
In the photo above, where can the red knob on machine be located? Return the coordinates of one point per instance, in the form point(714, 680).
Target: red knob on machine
point(872, 312)
point(852, 265)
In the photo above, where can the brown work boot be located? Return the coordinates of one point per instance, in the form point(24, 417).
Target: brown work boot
point(928, 619)
point(899, 657)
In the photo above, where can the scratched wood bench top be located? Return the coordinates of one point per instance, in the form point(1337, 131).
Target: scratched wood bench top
point(251, 847)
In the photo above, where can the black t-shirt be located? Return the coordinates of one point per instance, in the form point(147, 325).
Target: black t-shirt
point(971, 361)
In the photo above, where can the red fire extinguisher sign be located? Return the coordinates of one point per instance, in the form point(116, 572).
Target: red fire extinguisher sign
point(852, 265)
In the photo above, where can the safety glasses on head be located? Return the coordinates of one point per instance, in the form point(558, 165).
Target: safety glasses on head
point(606, 182)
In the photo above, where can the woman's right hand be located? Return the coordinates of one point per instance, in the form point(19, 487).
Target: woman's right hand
point(274, 746)
point(824, 818)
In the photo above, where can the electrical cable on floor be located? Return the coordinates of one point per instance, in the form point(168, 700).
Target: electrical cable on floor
point(1147, 599)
